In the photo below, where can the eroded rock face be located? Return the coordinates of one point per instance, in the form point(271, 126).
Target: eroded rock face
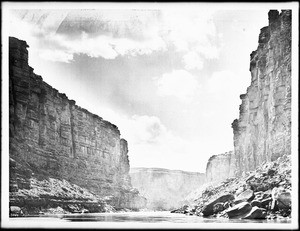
point(165, 189)
point(263, 131)
point(55, 138)
point(219, 167)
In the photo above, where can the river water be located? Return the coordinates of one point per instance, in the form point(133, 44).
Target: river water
point(142, 219)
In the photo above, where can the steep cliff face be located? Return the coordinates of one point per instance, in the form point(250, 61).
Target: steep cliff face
point(165, 189)
point(263, 130)
point(219, 167)
point(54, 137)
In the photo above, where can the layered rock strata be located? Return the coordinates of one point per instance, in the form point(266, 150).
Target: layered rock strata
point(53, 137)
point(263, 131)
point(219, 168)
point(165, 189)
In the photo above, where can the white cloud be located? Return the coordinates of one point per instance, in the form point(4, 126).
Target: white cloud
point(42, 35)
point(221, 82)
point(122, 33)
point(56, 56)
point(192, 61)
point(178, 83)
point(192, 31)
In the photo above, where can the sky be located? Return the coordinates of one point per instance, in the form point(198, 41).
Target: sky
point(169, 77)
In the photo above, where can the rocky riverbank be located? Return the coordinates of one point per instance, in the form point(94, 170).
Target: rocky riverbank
point(264, 193)
point(33, 194)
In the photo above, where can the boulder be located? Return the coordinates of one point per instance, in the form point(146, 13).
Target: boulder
point(256, 203)
point(226, 205)
point(284, 200)
point(266, 202)
point(209, 208)
point(256, 213)
point(247, 195)
point(239, 210)
point(218, 207)
point(15, 211)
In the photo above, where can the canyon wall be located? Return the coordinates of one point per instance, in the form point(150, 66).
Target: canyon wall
point(263, 131)
point(56, 138)
point(165, 189)
point(218, 167)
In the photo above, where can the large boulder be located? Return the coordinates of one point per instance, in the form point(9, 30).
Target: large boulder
point(239, 210)
point(247, 195)
point(284, 200)
point(209, 208)
point(256, 203)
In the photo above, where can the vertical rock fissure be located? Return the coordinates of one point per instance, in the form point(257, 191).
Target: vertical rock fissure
point(73, 150)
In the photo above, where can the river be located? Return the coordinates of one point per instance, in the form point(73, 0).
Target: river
point(141, 219)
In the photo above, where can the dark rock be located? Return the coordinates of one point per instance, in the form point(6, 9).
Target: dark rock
point(256, 203)
point(271, 172)
point(209, 208)
point(256, 213)
point(284, 200)
point(274, 205)
point(239, 210)
point(226, 205)
point(218, 207)
point(266, 202)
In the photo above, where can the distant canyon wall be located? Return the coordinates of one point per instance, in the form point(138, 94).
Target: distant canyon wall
point(263, 130)
point(165, 189)
point(219, 167)
point(56, 138)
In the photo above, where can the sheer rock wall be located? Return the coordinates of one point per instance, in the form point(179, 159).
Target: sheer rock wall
point(56, 138)
point(219, 167)
point(263, 131)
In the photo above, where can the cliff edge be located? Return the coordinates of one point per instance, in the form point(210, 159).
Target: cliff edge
point(52, 137)
point(263, 131)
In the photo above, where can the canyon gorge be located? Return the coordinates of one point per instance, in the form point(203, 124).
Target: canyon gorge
point(62, 155)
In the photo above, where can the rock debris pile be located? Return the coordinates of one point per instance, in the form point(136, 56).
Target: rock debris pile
point(264, 193)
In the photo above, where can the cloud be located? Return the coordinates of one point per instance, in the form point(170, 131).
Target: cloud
point(178, 83)
point(112, 33)
point(221, 82)
point(192, 60)
point(56, 55)
point(130, 36)
point(194, 31)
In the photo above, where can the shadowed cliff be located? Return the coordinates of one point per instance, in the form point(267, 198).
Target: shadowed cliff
point(52, 137)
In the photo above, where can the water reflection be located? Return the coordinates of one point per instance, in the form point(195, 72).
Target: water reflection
point(158, 217)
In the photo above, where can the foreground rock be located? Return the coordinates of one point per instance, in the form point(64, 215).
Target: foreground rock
point(256, 213)
point(217, 205)
point(256, 195)
point(239, 210)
